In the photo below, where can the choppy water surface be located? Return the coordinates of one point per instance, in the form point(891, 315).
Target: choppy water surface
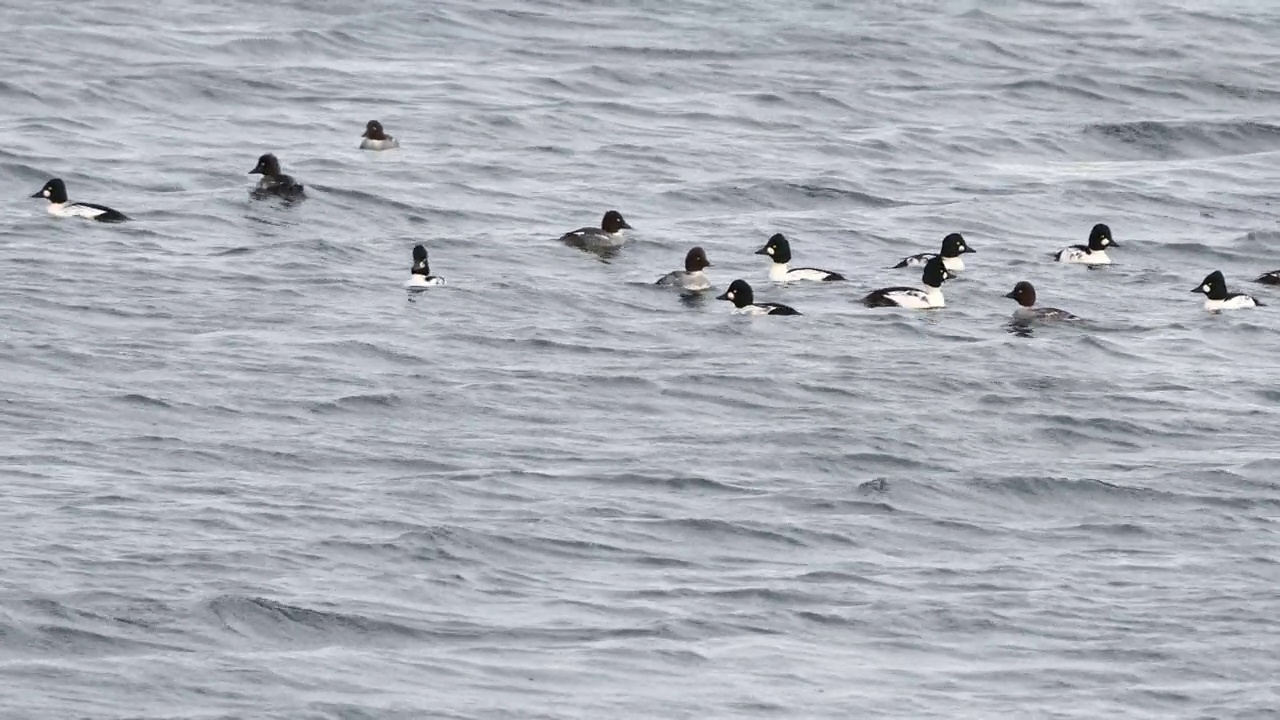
point(245, 476)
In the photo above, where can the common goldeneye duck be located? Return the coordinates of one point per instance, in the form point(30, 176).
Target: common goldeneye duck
point(55, 191)
point(779, 250)
point(927, 298)
point(743, 299)
point(421, 275)
point(1095, 253)
point(692, 277)
point(1214, 287)
point(1025, 293)
point(610, 230)
point(953, 246)
point(376, 139)
point(274, 182)
point(1269, 278)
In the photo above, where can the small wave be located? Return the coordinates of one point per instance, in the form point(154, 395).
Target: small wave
point(1064, 86)
point(1047, 488)
point(829, 619)
point(243, 250)
point(1164, 140)
point(363, 349)
point(357, 403)
point(675, 483)
point(1242, 92)
point(709, 528)
point(1208, 252)
point(144, 400)
point(259, 618)
point(69, 630)
point(64, 640)
point(11, 91)
point(779, 194)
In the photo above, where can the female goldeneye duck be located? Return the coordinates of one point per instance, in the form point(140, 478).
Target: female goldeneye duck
point(1025, 293)
point(421, 275)
point(611, 227)
point(743, 299)
point(1269, 278)
point(1214, 287)
point(779, 250)
point(376, 139)
point(692, 277)
point(953, 246)
point(1095, 253)
point(274, 182)
point(935, 273)
point(55, 191)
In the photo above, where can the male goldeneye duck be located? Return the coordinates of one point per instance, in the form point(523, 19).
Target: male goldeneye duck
point(779, 250)
point(743, 299)
point(274, 182)
point(1095, 253)
point(935, 273)
point(1025, 293)
point(376, 139)
point(1269, 278)
point(55, 191)
point(610, 230)
point(421, 275)
point(953, 246)
point(1214, 287)
point(692, 277)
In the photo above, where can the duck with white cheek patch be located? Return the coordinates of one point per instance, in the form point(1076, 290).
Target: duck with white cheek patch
point(744, 301)
point(1095, 253)
point(1214, 289)
point(55, 191)
point(420, 275)
point(779, 250)
point(953, 249)
point(927, 297)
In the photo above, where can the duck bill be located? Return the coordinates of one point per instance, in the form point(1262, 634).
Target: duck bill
point(1114, 244)
point(1196, 289)
point(38, 193)
point(625, 226)
point(723, 296)
point(971, 251)
point(256, 171)
point(763, 251)
point(1012, 295)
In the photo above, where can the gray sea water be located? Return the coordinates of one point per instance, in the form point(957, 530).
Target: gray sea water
point(244, 475)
